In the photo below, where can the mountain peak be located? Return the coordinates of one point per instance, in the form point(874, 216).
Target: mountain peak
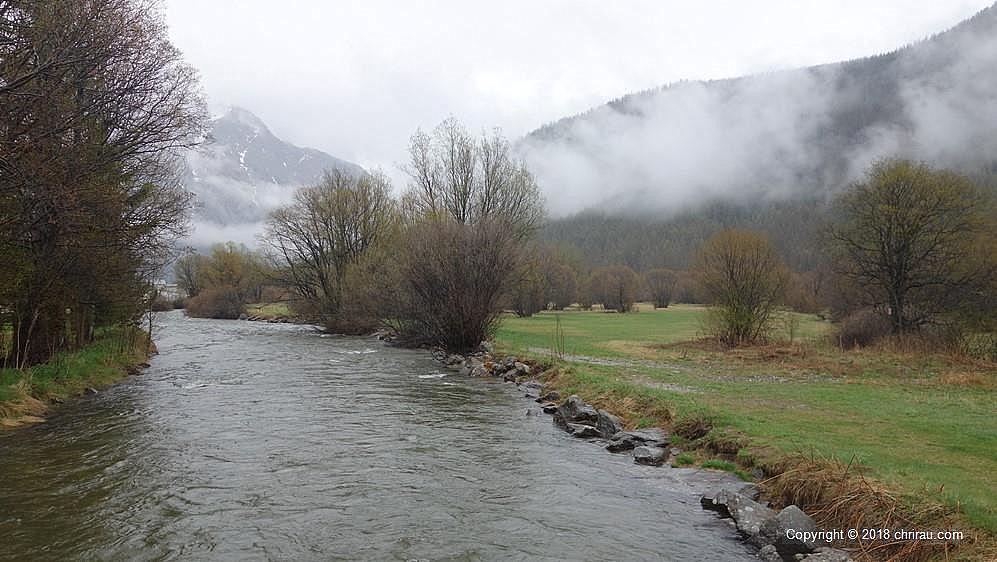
point(244, 171)
point(245, 118)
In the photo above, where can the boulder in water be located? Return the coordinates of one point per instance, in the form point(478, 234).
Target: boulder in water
point(575, 410)
point(653, 456)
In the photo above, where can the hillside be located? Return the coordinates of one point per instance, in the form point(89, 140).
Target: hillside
point(780, 134)
point(644, 179)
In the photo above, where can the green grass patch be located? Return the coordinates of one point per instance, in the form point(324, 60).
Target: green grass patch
point(684, 459)
point(923, 424)
point(717, 464)
point(99, 364)
point(615, 335)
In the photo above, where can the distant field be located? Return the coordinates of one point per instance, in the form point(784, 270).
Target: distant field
point(609, 334)
point(923, 424)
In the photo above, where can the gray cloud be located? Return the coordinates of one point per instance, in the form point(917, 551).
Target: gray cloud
point(772, 134)
point(355, 78)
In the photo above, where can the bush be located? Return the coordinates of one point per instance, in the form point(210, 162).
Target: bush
point(452, 279)
point(741, 275)
point(362, 305)
point(863, 328)
point(217, 302)
point(161, 304)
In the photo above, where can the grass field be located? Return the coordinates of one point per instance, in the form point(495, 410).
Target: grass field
point(923, 424)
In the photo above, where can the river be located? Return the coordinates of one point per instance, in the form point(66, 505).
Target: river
point(254, 441)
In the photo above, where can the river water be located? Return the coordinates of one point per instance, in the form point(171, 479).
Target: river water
point(253, 441)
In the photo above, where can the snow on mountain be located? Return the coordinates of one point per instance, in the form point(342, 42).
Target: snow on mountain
point(243, 171)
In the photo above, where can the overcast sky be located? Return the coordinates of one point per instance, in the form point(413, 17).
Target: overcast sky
point(355, 78)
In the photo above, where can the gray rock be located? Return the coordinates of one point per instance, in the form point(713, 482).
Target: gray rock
point(486, 346)
point(575, 410)
point(773, 531)
point(621, 445)
point(532, 389)
point(510, 361)
point(747, 513)
point(521, 367)
point(582, 430)
point(651, 436)
point(470, 365)
point(717, 501)
point(627, 440)
point(552, 396)
point(479, 371)
point(608, 424)
point(650, 455)
point(90, 390)
point(549, 408)
point(243, 316)
point(768, 553)
point(827, 554)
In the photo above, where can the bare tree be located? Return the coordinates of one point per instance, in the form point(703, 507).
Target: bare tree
point(742, 277)
point(561, 284)
point(661, 285)
point(529, 290)
point(187, 271)
point(470, 208)
point(906, 237)
point(615, 287)
point(455, 177)
point(329, 230)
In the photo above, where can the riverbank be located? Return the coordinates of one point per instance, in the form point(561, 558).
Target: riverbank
point(860, 439)
point(25, 396)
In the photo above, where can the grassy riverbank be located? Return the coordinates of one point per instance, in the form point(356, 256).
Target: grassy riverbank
point(26, 395)
point(922, 425)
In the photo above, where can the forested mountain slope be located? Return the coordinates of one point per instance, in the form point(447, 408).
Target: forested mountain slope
point(671, 165)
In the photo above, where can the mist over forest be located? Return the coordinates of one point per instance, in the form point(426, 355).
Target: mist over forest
point(805, 132)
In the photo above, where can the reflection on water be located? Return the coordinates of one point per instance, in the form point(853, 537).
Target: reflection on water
point(267, 441)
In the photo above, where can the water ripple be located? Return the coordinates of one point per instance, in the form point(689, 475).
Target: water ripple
point(263, 441)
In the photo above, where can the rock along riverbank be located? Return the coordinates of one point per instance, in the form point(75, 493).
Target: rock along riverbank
point(780, 536)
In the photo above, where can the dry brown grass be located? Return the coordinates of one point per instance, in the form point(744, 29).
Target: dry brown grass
point(840, 496)
point(24, 409)
point(968, 379)
point(693, 427)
